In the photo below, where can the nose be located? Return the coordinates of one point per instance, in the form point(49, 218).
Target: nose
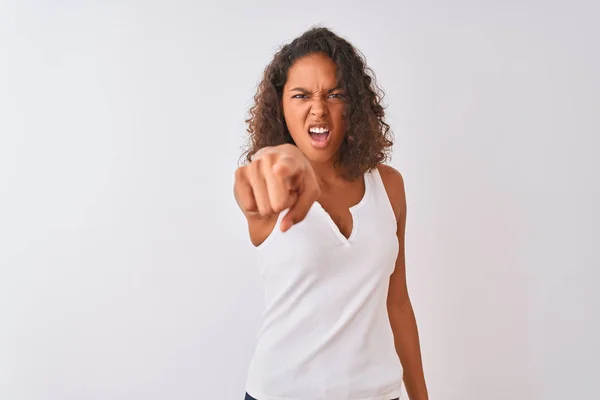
point(319, 109)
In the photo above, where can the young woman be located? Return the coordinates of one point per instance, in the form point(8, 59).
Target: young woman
point(327, 218)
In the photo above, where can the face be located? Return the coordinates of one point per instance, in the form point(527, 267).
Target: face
point(313, 107)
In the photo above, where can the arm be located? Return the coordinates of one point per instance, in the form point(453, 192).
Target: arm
point(402, 317)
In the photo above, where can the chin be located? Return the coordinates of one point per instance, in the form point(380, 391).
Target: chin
point(319, 155)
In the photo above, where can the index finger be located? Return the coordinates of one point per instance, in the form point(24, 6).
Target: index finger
point(286, 168)
point(298, 211)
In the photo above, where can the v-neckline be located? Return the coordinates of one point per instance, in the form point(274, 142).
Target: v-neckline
point(336, 230)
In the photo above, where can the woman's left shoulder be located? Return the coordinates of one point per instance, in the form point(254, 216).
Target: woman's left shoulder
point(391, 176)
point(394, 186)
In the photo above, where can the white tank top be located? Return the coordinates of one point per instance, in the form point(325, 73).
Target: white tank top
point(326, 334)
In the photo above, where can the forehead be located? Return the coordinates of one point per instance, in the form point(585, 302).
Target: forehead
point(314, 70)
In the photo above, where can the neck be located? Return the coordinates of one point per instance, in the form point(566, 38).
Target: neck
point(327, 173)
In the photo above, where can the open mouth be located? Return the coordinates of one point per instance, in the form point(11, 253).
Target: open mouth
point(319, 134)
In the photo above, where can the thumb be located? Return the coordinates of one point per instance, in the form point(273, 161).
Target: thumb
point(298, 210)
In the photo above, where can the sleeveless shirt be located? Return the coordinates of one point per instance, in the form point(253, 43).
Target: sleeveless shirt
point(326, 333)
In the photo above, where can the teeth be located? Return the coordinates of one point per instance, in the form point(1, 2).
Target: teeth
point(318, 130)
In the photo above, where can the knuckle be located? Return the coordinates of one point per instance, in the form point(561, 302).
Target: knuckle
point(255, 163)
point(240, 173)
point(280, 169)
point(269, 157)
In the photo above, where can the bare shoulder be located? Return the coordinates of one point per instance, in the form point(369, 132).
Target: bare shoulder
point(394, 186)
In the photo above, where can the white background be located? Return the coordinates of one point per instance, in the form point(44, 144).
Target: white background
point(125, 267)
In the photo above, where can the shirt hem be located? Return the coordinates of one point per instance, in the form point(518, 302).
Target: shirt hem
point(391, 395)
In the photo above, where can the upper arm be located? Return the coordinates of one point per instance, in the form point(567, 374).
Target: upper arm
point(394, 184)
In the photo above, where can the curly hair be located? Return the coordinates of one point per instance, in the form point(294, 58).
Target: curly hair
point(368, 138)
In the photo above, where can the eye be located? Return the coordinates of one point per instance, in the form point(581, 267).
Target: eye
point(336, 96)
point(299, 96)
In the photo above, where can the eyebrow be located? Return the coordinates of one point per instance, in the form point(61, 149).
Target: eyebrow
point(300, 89)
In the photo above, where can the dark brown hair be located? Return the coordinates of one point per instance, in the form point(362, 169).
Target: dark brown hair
point(368, 138)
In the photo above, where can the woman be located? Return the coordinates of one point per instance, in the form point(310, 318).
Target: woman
point(328, 220)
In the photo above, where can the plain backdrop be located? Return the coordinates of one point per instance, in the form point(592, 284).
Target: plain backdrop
point(126, 271)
